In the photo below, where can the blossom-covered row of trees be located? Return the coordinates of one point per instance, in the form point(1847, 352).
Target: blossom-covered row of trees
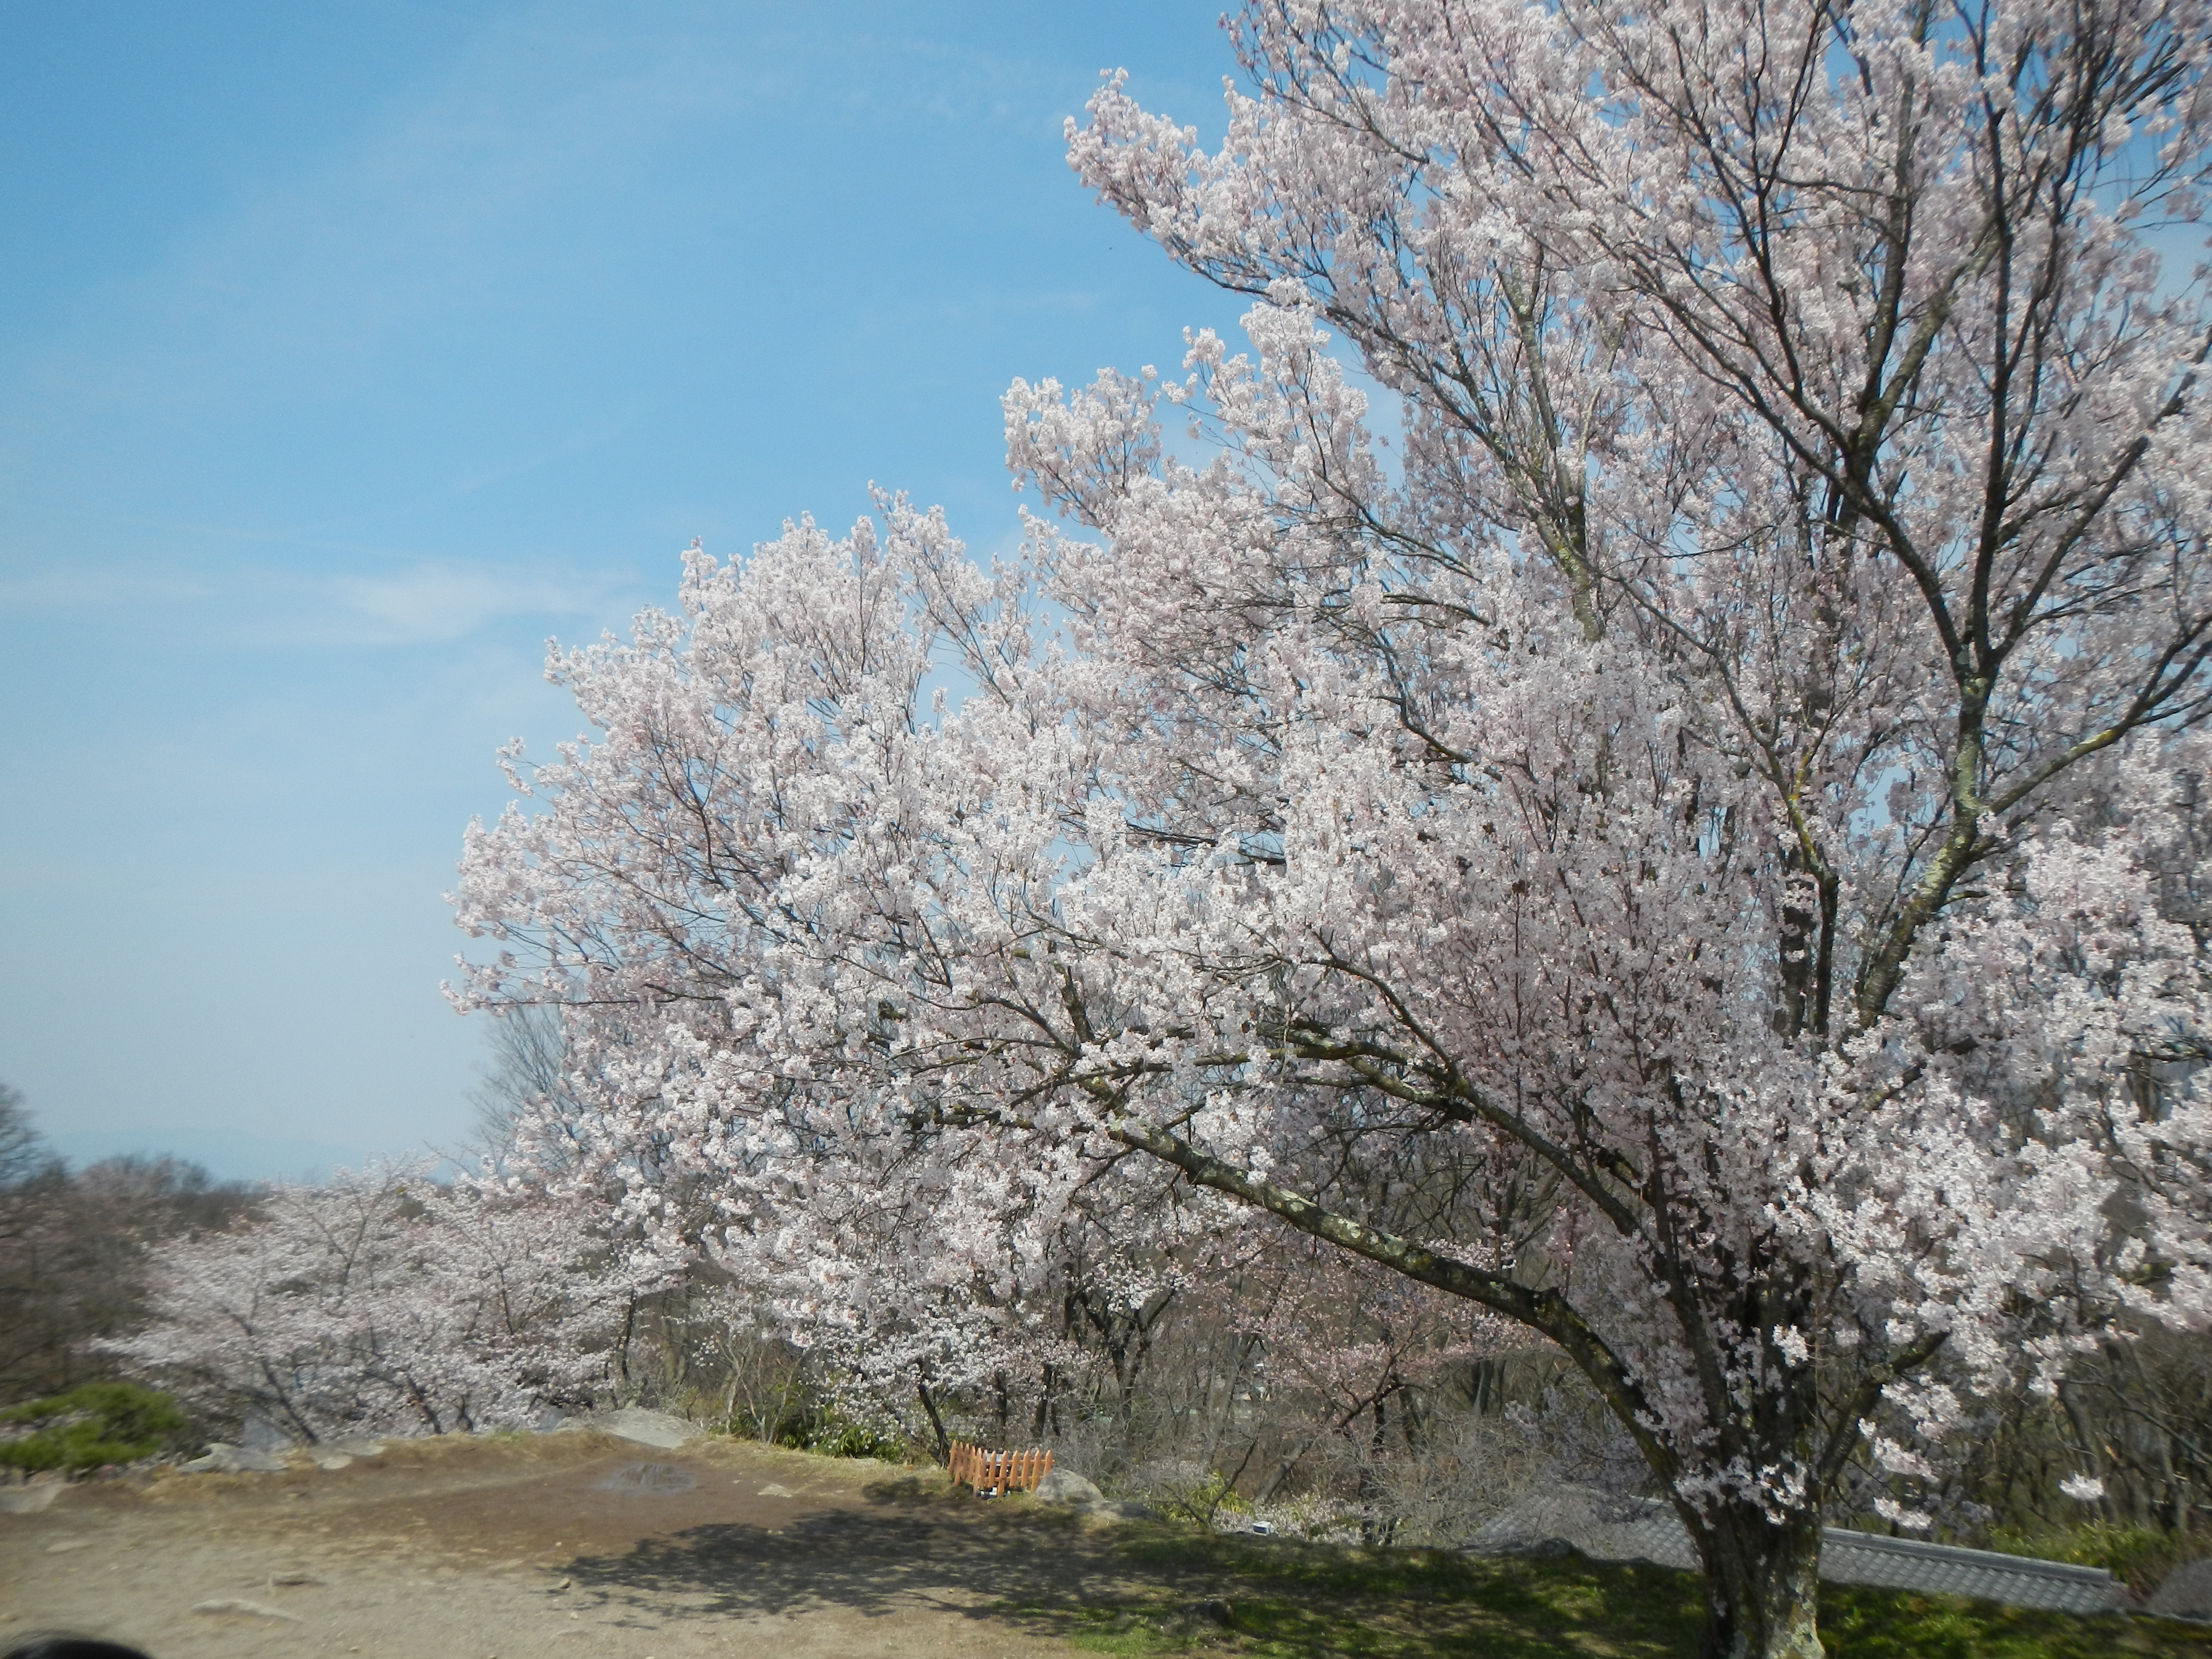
point(383, 1302)
point(386, 1301)
point(1257, 1369)
point(1692, 848)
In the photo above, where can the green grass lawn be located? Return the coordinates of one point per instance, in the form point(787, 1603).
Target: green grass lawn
point(1314, 1600)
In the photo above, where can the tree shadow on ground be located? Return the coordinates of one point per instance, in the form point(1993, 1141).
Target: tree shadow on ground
point(1135, 1590)
point(1152, 1590)
point(909, 1550)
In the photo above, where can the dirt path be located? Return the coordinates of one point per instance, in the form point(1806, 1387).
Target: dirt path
point(568, 1544)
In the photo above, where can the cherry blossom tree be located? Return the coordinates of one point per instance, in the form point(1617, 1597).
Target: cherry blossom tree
point(1692, 848)
point(384, 1303)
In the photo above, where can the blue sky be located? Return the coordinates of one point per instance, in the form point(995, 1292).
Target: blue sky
point(347, 351)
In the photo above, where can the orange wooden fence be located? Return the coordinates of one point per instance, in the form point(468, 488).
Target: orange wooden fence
point(998, 1472)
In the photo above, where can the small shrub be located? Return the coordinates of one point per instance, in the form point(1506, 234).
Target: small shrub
point(93, 1425)
point(1202, 1499)
point(2140, 1556)
point(833, 1434)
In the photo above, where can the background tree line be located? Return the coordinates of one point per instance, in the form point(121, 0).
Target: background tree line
point(1271, 1377)
point(76, 1247)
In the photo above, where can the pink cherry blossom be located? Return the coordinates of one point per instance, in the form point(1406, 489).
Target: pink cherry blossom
point(1692, 851)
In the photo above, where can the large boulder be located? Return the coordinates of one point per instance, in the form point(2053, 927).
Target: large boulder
point(2185, 1593)
point(655, 1429)
point(1067, 1486)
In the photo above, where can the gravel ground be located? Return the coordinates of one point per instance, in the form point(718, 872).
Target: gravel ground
point(568, 1545)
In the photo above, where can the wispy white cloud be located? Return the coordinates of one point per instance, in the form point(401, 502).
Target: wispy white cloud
point(433, 603)
point(255, 604)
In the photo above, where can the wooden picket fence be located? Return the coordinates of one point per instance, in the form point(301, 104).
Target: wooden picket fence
point(992, 1474)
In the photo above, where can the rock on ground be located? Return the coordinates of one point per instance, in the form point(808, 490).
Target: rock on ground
point(242, 1609)
point(1067, 1486)
point(222, 1458)
point(655, 1429)
point(649, 1477)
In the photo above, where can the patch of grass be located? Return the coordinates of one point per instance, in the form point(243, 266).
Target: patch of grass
point(1288, 1600)
point(1868, 1624)
point(93, 1425)
point(2141, 1556)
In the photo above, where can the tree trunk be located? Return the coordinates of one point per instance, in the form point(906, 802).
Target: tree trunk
point(1763, 1585)
point(943, 1447)
point(1047, 1414)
